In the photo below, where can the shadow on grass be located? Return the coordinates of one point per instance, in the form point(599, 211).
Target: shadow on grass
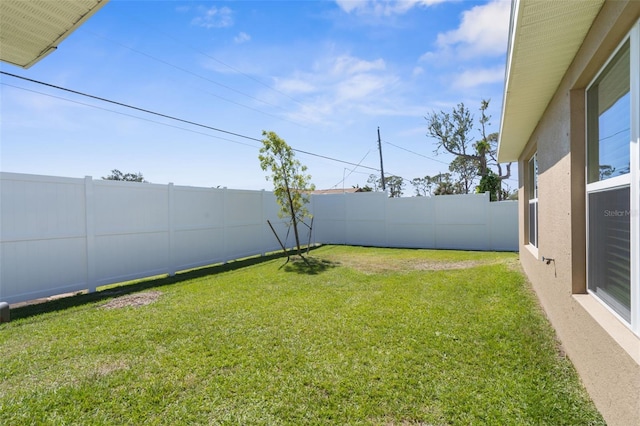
point(80, 299)
point(312, 265)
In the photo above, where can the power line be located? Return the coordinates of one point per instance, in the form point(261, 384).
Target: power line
point(129, 115)
point(250, 77)
point(162, 61)
point(430, 158)
point(169, 117)
point(415, 153)
point(193, 123)
point(351, 171)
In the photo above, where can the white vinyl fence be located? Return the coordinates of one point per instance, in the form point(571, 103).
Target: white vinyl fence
point(465, 222)
point(62, 235)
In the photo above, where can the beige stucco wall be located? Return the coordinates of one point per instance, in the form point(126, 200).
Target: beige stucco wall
point(605, 353)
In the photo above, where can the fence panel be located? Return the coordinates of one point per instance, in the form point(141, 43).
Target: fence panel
point(198, 226)
point(42, 231)
point(366, 219)
point(329, 221)
point(62, 235)
point(503, 219)
point(131, 228)
point(411, 222)
point(462, 222)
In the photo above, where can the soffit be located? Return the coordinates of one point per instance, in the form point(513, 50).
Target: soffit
point(544, 38)
point(30, 30)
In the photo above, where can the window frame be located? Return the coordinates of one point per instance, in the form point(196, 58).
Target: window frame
point(532, 201)
point(631, 179)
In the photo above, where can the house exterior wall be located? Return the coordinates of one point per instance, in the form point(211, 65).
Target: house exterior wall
point(604, 351)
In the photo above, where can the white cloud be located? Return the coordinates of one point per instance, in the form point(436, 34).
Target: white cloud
point(214, 17)
point(294, 86)
point(476, 77)
point(348, 65)
point(242, 38)
point(338, 84)
point(483, 31)
point(383, 8)
point(359, 87)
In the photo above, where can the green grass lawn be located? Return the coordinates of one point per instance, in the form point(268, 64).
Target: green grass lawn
point(361, 336)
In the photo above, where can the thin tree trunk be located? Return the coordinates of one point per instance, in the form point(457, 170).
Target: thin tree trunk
point(293, 213)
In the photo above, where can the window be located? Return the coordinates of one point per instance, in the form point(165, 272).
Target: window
point(533, 200)
point(613, 237)
point(608, 114)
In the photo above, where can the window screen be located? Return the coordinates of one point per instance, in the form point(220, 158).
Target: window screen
point(609, 248)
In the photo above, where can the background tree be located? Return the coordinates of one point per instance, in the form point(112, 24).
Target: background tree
point(444, 185)
point(491, 148)
point(374, 182)
point(395, 185)
point(291, 184)
point(491, 184)
point(453, 135)
point(466, 170)
point(130, 177)
point(365, 188)
point(423, 186)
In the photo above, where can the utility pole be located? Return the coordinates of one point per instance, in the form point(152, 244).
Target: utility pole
point(381, 167)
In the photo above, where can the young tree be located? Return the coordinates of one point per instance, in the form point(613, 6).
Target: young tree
point(291, 184)
point(130, 177)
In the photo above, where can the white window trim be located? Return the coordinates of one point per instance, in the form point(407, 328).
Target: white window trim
point(635, 177)
point(531, 247)
point(632, 179)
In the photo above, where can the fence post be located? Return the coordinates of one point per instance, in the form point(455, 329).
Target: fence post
point(171, 230)
point(488, 223)
point(435, 220)
point(385, 215)
point(263, 217)
point(345, 219)
point(90, 233)
point(225, 247)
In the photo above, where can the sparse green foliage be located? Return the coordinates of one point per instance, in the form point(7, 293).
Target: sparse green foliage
point(466, 171)
point(440, 184)
point(375, 182)
point(291, 183)
point(423, 186)
point(129, 177)
point(394, 184)
point(445, 186)
point(473, 158)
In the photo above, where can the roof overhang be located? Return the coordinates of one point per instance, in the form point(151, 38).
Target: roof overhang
point(544, 37)
point(30, 30)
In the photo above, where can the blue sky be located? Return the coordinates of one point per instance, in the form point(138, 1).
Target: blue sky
point(324, 75)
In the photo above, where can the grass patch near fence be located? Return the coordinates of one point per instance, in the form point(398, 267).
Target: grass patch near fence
point(358, 336)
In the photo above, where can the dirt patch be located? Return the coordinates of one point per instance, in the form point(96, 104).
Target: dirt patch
point(371, 266)
point(135, 300)
point(437, 266)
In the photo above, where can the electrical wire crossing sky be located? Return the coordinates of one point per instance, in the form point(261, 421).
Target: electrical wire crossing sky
point(181, 91)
